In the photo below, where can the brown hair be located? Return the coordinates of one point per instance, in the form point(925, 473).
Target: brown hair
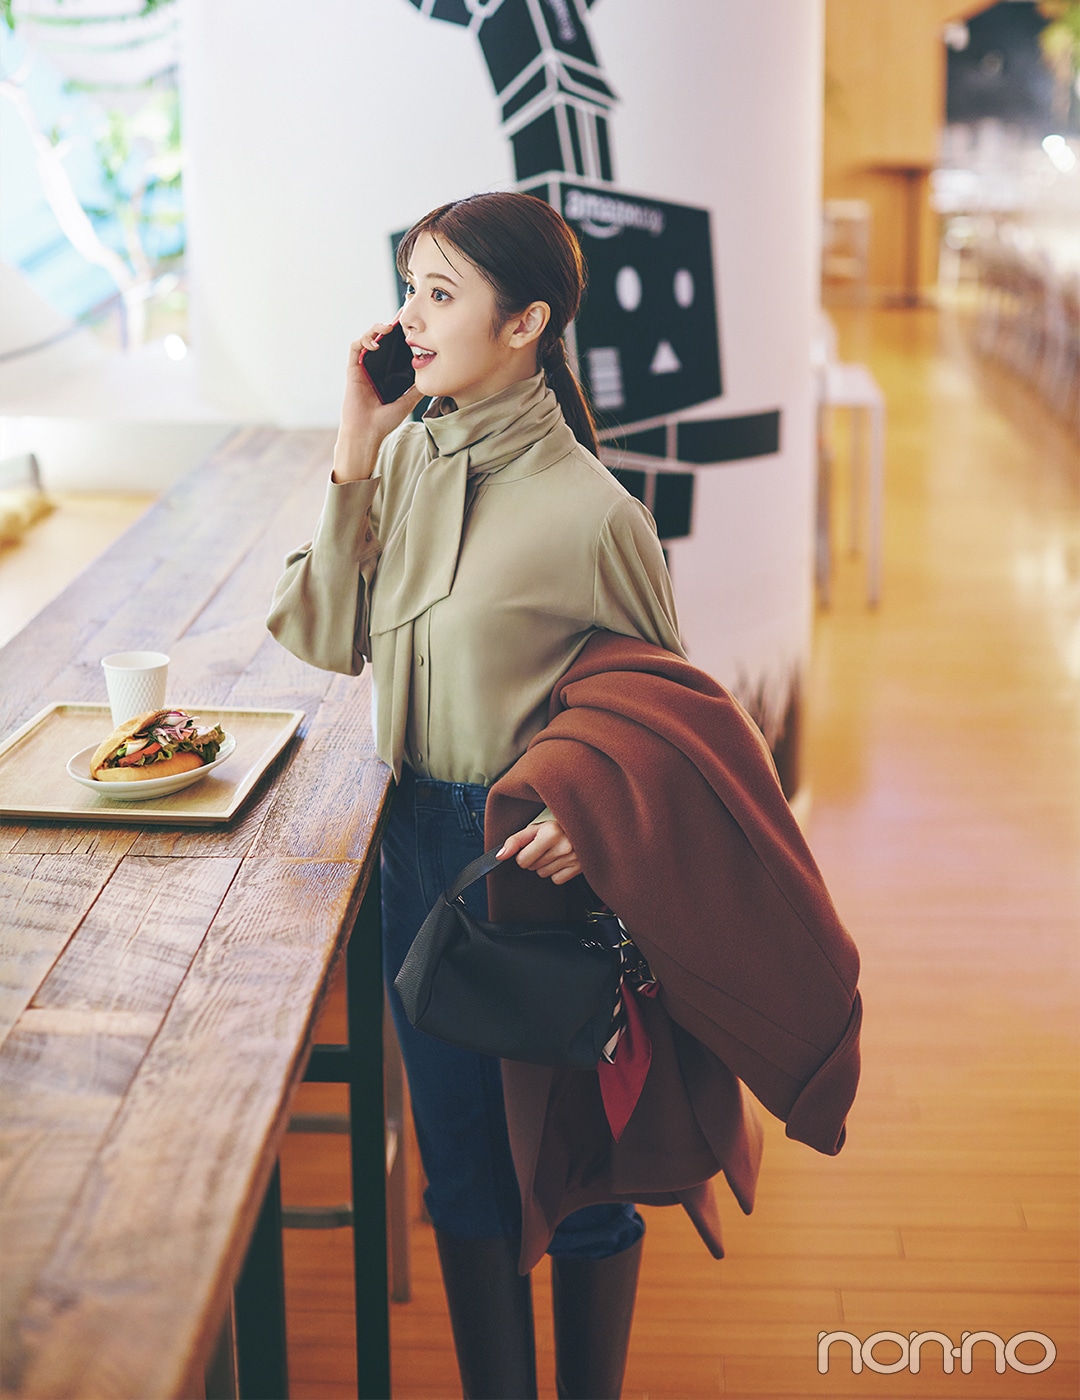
point(527, 252)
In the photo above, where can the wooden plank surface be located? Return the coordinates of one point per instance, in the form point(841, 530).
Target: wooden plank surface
point(60, 1095)
point(44, 899)
point(136, 944)
point(337, 761)
point(73, 1053)
point(68, 839)
point(161, 985)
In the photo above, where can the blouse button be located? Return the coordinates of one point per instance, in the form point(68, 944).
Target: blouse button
point(419, 660)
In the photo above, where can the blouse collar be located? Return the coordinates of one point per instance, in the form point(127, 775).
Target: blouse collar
point(498, 429)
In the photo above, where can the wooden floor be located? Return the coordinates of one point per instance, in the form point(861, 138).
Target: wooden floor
point(943, 751)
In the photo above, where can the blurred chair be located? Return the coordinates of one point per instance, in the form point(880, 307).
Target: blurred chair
point(845, 249)
point(851, 387)
point(1059, 370)
point(1029, 316)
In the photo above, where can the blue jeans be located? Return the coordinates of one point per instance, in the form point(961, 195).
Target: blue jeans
point(434, 830)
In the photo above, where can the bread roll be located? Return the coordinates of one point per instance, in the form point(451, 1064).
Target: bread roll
point(121, 734)
point(163, 768)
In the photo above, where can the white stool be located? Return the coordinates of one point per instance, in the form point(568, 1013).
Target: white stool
point(853, 387)
point(845, 247)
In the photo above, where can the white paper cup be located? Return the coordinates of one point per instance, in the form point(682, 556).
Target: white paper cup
point(135, 681)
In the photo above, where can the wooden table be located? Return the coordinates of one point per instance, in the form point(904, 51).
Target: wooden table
point(159, 985)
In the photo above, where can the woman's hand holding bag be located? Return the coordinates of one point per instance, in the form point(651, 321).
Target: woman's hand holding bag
point(540, 992)
point(544, 848)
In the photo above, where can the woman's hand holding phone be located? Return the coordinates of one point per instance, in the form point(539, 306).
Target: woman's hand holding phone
point(365, 419)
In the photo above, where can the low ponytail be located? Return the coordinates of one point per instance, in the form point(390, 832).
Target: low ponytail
point(528, 252)
point(564, 385)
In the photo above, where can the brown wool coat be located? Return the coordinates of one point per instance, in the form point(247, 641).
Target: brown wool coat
point(671, 801)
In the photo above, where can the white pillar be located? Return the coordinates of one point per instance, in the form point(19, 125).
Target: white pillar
point(316, 131)
point(720, 106)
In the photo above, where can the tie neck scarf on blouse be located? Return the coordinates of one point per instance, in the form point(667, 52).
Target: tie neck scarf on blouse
point(416, 568)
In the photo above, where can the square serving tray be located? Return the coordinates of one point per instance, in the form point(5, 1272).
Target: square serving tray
point(34, 782)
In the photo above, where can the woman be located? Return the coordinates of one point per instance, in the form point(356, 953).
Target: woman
point(469, 557)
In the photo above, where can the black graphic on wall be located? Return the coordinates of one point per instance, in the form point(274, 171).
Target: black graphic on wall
point(555, 99)
point(646, 341)
point(646, 338)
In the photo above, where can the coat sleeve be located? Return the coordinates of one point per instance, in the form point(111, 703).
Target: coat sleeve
point(632, 589)
point(320, 606)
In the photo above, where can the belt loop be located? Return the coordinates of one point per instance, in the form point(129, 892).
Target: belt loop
point(461, 807)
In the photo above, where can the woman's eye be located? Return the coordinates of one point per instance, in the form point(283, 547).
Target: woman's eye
point(439, 295)
point(410, 290)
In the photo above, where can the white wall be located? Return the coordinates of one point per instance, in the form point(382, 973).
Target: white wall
point(313, 131)
point(96, 420)
point(723, 108)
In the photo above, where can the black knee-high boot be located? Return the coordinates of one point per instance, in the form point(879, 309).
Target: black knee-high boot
point(491, 1317)
point(593, 1302)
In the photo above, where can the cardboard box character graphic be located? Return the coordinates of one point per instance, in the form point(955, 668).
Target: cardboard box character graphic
point(646, 337)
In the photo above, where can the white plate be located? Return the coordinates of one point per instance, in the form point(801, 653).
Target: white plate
point(79, 769)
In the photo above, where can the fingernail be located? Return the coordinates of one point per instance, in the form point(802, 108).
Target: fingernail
point(498, 853)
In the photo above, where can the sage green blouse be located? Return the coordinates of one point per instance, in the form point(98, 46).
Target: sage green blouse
point(470, 570)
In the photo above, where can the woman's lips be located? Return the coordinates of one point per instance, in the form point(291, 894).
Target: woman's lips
point(421, 357)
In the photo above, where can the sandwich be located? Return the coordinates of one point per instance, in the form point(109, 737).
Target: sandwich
point(155, 745)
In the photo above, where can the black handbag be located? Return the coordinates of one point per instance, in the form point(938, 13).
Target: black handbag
point(542, 992)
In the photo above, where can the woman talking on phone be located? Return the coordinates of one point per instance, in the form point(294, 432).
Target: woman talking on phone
point(468, 558)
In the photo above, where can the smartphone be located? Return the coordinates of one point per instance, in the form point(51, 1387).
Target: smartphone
point(389, 365)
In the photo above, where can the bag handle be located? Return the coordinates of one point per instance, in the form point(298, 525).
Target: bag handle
point(485, 864)
point(475, 870)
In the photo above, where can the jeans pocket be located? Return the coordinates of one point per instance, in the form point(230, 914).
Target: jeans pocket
point(434, 870)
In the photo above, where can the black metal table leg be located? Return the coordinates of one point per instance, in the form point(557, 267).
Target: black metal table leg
point(261, 1359)
point(359, 1064)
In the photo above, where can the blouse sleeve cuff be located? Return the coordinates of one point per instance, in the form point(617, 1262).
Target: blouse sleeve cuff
point(345, 524)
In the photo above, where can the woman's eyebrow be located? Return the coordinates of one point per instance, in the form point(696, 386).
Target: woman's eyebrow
point(432, 277)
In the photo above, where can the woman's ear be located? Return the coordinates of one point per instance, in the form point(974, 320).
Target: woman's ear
point(528, 326)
